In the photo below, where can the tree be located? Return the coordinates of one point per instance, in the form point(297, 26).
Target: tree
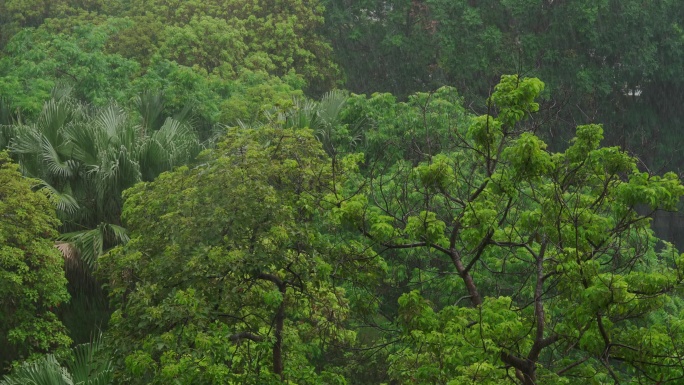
point(385, 46)
point(32, 282)
point(228, 277)
point(617, 62)
point(226, 36)
point(85, 158)
point(82, 366)
point(16, 15)
point(37, 60)
point(553, 252)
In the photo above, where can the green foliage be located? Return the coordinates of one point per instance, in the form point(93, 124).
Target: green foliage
point(32, 280)
point(387, 131)
point(384, 46)
point(225, 37)
point(36, 60)
point(85, 158)
point(83, 367)
point(553, 251)
point(618, 62)
point(227, 277)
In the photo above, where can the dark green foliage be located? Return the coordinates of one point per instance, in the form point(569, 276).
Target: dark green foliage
point(614, 62)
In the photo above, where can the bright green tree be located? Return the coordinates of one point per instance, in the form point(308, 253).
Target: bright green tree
point(32, 282)
point(228, 277)
point(524, 265)
point(36, 60)
point(226, 36)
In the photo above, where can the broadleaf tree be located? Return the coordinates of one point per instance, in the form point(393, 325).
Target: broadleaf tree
point(32, 282)
point(553, 274)
point(228, 277)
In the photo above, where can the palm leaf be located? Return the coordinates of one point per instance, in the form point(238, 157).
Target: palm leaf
point(62, 201)
point(90, 243)
point(55, 115)
point(61, 90)
point(52, 159)
point(151, 105)
point(111, 119)
point(45, 371)
point(7, 133)
point(83, 367)
point(7, 116)
point(86, 140)
point(331, 105)
point(173, 144)
point(27, 141)
point(86, 367)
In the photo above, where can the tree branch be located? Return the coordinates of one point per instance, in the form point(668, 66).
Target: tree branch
point(237, 337)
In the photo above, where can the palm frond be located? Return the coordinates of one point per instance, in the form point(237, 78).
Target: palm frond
point(62, 201)
point(71, 255)
point(7, 115)
point(150, 104)
point(90, 243)
point(303, 114)
point(61, 90)
point(86, 367)
point(331, 105)
point(28, 140)
point(86, 141)
point(110, 119)
point(55, 114)
point(45, 371)
point(52, 159)
point(7, 133)
point(119, 235)
point(83, 367)
point(173, 144)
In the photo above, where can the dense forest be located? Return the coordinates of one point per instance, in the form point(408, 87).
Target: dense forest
point(329, 192)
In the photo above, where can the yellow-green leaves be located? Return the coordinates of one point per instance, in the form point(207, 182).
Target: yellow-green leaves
point(437, 174)
point(220, 250)
point(485, 131)
point(455, 345)
point(426, 227)
point(527, 157)
point(658, 192)
point(587, 138)
point(515, 97)
point(32, 281)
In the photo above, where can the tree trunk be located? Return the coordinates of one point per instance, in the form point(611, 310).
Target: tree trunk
point(278, 346)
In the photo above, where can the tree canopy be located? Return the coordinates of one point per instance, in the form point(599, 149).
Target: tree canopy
point(32, 282)
point(553, 251)
point(233, 283)
point(223, 214)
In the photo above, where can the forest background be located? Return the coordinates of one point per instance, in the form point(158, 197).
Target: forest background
point(358, 236)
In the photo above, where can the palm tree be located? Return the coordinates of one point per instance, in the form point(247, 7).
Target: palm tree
point(84, 366)
point(84, 158)
point(324, 117)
